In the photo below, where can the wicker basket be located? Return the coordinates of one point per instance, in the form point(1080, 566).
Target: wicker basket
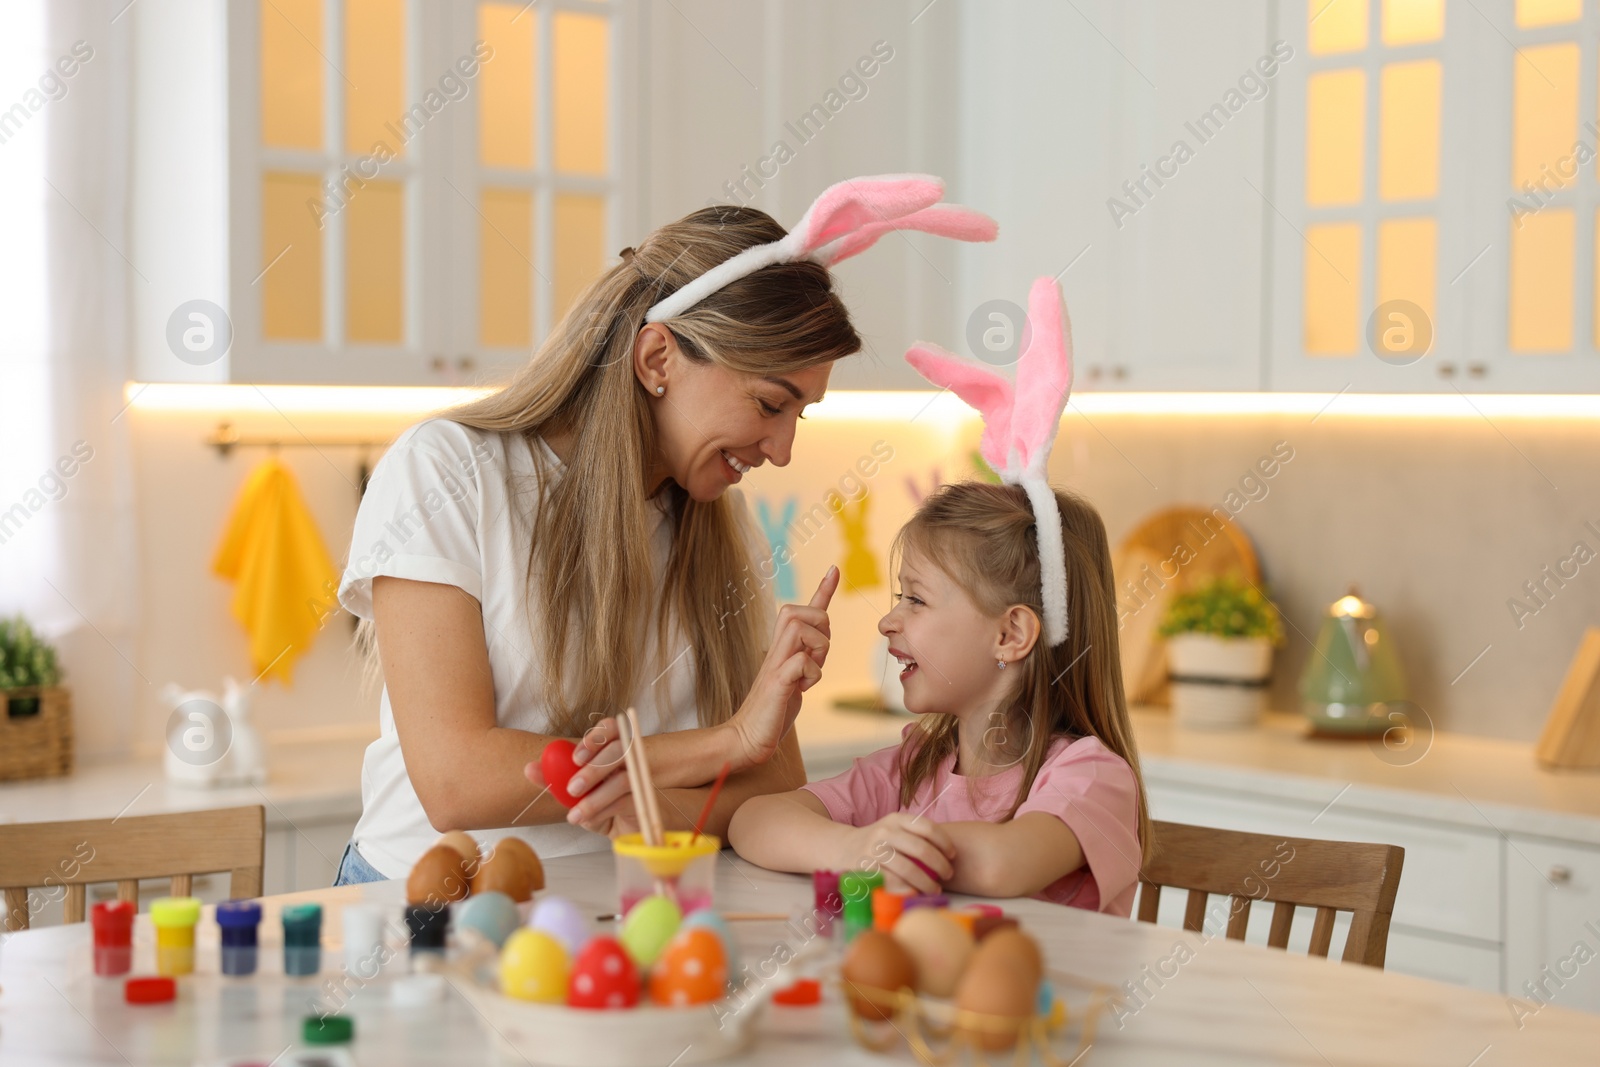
point(35, 733)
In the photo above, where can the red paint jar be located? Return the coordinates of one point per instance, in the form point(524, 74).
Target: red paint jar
point(113, 937)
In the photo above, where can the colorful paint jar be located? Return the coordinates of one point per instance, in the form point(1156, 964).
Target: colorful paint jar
point(827, 904)
point(886, 908)
point(427, 927)
point(240, 923)
point(302, 939)
point(363, 940)
point(174, 919)
point(113, 937)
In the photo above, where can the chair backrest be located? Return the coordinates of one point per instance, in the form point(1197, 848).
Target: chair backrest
point(123, 850)
point(1330, 876)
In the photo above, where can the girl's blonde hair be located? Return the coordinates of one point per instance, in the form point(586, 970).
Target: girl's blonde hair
point(591, 563)
point(983, 537)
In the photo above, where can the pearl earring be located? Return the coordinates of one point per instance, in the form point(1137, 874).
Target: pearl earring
point(1002, 663)
point(661, 390)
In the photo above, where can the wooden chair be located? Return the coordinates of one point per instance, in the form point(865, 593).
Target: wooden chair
point(1331, 876)
point(123, 850)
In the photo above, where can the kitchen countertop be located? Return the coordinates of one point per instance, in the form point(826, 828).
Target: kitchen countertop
point(1477, 782)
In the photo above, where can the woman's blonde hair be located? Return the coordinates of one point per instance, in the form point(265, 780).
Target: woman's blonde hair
point(983, 537)
point(591, 563)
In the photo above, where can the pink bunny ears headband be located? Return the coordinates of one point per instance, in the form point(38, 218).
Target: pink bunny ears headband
point(1019, 426)
point(847, 219)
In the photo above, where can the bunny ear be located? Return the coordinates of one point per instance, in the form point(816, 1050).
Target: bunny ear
point(990, 393)
point(942, 220)
point(1044, 376)
point(856, 202)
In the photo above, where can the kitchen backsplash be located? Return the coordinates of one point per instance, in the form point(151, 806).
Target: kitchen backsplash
point(1472, 538)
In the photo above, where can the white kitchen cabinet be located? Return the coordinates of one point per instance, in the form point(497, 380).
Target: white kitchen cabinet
point(1552, 924)
point(311, 171)
point(1071, 127)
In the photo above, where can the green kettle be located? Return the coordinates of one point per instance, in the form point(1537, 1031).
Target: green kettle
point(1352, 685)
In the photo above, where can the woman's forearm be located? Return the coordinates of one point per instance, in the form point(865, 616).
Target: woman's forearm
point(681, 807)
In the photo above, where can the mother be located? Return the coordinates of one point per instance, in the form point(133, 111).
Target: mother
point(533, 563)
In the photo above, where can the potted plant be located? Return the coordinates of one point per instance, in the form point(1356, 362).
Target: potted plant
point(1220, 634)
point(36, 728)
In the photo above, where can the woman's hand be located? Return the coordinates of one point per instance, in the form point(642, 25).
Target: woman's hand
point(793, 665)
point(912, 852)
point(600, 789)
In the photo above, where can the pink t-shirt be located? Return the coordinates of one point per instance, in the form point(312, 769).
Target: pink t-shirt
point(1084, 784)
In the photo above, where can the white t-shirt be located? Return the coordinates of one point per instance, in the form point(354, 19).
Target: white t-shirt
point(437, 510)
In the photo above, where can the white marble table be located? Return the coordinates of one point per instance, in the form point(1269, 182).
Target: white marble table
point(1203, 1001)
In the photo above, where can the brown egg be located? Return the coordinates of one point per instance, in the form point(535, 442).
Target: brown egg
point(1019, 947)
point(1001, 986)
point(465, 844)
point(938, 945)
point(505, 870)
point(876, 962)
point(530, 859)
point(438, 877)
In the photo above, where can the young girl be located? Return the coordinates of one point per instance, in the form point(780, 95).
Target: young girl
point(1019, 777)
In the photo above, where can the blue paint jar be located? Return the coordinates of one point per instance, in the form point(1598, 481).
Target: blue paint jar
point(240, 921)
point(302, 939)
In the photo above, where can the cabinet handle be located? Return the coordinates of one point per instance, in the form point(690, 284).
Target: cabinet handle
point(437, 363)
point(464, 363)
point(1119, 372)
point(1094, 373)
point(1560, 874)
point(1477, 370)
point(1447, 370)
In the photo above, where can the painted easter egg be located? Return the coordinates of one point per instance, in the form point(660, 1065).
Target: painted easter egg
point(491, 914)
point(603, 976)
point(648, 927)
point(707, 919)
point(557, 767)
point(533, 966)
point(562, 920)
point(691, 970)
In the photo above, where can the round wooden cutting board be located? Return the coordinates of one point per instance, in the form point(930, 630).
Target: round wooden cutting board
point(1164, 555)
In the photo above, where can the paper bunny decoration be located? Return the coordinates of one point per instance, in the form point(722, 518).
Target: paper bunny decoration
point(846, 220)
point(916, 490)
point(1019, 426)
point(783, 578)
point(859, 566)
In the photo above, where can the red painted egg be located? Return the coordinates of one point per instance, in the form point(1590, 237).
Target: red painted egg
point(555, 763)
point(603, 976)
point(692, 970)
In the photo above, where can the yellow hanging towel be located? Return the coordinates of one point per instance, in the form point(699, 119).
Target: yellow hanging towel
point(286, 582)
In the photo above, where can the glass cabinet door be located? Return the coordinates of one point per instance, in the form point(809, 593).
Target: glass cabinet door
point(533, 182)
point(334, 127)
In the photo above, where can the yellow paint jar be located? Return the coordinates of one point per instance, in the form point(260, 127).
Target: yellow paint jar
point(174, 919)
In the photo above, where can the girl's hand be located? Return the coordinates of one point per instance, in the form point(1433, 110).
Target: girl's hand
point(910, 850)
point(793, 665)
